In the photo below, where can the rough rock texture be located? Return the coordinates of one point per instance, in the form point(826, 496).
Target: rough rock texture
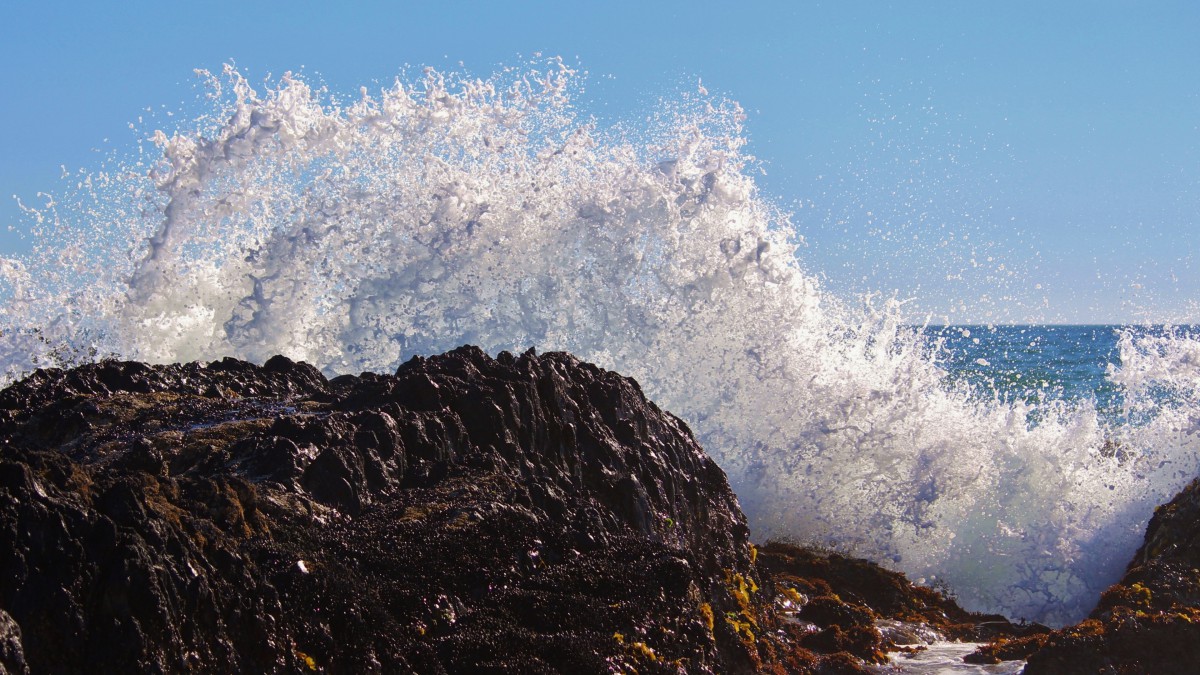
point(1149, 622)
point(855, 606)
point(529, 514)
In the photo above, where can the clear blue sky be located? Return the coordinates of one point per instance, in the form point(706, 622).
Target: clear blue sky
point(915, 140)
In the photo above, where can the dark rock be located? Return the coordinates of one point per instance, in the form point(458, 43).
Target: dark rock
point(527, 514)
point(524, 514)
point(12, 653)
point(845, 601)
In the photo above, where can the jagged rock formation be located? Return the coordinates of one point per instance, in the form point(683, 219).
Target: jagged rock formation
point(529, 514)
point(1149, 622)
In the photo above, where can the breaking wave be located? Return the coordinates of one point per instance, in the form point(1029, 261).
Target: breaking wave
point(446, 210)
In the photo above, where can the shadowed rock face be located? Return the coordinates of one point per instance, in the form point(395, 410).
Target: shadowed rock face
point(469, 514)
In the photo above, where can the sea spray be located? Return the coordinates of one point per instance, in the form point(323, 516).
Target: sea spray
point(447, 210)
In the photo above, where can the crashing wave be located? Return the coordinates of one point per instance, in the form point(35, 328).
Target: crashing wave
point(450, 210)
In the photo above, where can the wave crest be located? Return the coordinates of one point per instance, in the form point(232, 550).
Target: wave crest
point(488, 211)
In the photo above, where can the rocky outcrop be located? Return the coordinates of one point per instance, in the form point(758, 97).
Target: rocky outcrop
point(1149, 622)
point(530, 514)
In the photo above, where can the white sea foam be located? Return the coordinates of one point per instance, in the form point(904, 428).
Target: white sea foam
point(445, 211)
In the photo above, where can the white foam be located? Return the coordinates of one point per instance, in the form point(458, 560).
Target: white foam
point(447, 211)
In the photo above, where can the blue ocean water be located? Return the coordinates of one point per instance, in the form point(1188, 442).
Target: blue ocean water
point(1037, 364)
point(1034, 363)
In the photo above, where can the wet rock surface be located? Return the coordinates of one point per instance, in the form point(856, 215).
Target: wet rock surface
point(855, 607)
point(530, 514)
point(1149, 622)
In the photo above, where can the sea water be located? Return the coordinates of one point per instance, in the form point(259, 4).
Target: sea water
point(945, 658)
point(1037, 364)
point(355, 232)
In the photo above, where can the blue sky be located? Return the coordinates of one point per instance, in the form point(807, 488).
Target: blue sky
point(996, 161)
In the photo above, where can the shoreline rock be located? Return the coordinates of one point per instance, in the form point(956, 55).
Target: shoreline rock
point(523, 514)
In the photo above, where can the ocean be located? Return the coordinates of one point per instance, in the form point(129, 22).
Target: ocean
point(1033, 363)
point(1039, 363)
point(1015, 466)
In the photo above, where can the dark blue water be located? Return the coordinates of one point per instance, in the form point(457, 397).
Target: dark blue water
point(1039, 364)
point(1035, 363)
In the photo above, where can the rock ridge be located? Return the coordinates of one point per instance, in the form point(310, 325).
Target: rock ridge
point(468, 514)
